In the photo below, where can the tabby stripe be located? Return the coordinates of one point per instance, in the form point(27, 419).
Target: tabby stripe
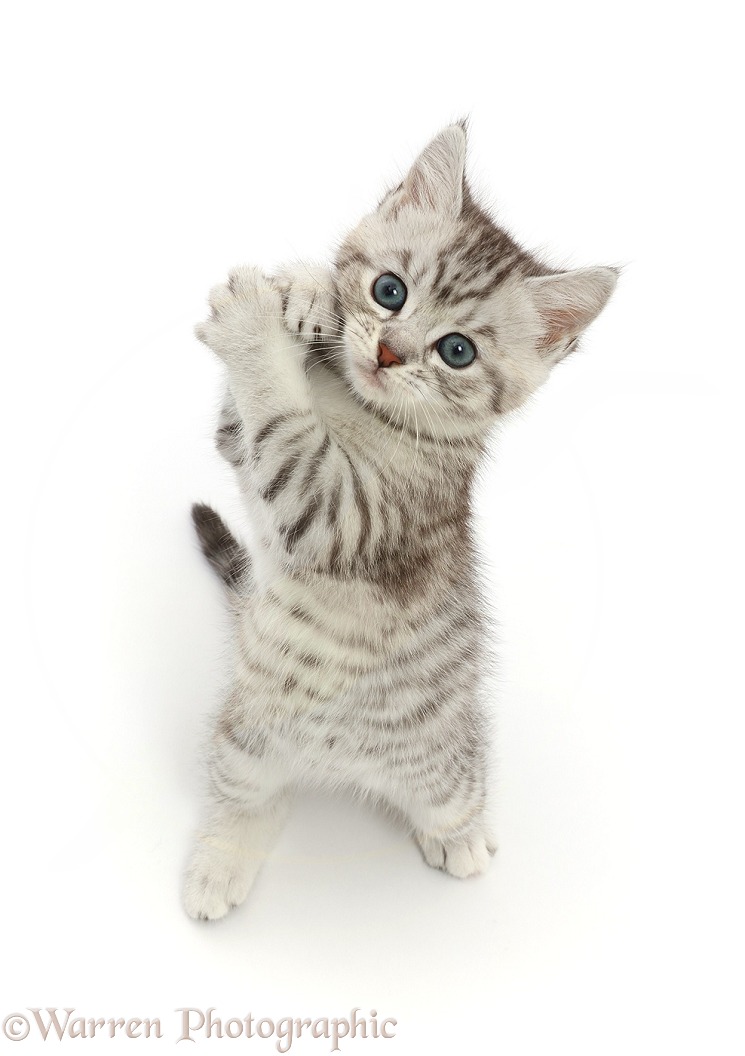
point(504, 264)
point(420, 761)
point(335, 555)
point(453, 519)
point(386, 537)
point(267, 429)
point(231, 734)
point(315, 465)
point(217, 770)
point(332, 634)
point(498, 388)
point(354, 257)
point(324, 640)
point(363, 508)
point(458, 769)
point(279, 676)
point(417, 717)
point(254, 742)
point(333, 507)
point(480, 293)
point(294, 532)
point(410, 667)
point(280, 481)
point(258, 669)
point(300, 614)
point(439, 276)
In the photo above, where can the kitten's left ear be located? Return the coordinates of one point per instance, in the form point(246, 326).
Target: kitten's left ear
point(567, 304)
point(435, 180)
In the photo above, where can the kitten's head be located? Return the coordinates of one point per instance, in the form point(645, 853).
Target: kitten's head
point(445, 316)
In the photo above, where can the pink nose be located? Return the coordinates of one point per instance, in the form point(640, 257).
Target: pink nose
point(387, 358)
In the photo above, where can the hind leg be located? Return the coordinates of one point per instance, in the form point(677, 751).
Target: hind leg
point(460, 853)
point(248, 805)
point(450, 821)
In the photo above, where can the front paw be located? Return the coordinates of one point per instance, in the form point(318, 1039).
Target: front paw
point(310, 303)
point(246, 311)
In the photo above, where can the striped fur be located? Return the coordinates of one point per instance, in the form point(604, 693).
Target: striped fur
point(361, 646)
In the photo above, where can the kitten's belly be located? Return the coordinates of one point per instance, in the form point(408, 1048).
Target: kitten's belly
point(319, 640)
point(340, 677)
point(340, 629)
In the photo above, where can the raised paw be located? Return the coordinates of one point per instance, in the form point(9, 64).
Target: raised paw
point(462, 857)
point(310, 303)
point(246, 310)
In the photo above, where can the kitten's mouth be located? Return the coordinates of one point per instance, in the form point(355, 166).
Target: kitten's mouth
point(365, 373)
point(371, 373)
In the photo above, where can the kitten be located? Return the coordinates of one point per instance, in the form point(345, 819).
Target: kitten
point(359, 404)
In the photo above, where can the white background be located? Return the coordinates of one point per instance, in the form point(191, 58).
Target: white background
point(149, 147)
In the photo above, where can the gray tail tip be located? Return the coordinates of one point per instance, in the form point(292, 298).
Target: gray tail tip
point(223, 551)
point(205, 517)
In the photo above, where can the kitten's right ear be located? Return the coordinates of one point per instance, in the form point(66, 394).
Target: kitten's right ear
point(435, 180)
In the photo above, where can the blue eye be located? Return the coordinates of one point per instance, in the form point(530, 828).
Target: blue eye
point(456, 350)
point(390, 292)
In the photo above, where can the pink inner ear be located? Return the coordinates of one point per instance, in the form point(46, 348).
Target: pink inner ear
point(568, 302)
point(561, 324)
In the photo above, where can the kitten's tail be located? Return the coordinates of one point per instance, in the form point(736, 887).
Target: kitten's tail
point(227, 556)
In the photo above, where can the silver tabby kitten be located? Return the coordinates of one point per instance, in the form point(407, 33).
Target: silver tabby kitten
point(359, 404)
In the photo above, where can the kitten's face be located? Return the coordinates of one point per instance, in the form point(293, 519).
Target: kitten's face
point(446, 320)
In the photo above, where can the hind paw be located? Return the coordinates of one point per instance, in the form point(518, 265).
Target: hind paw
point(462, 857)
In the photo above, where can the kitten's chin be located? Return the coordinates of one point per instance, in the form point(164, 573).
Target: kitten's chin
point(367, 380)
